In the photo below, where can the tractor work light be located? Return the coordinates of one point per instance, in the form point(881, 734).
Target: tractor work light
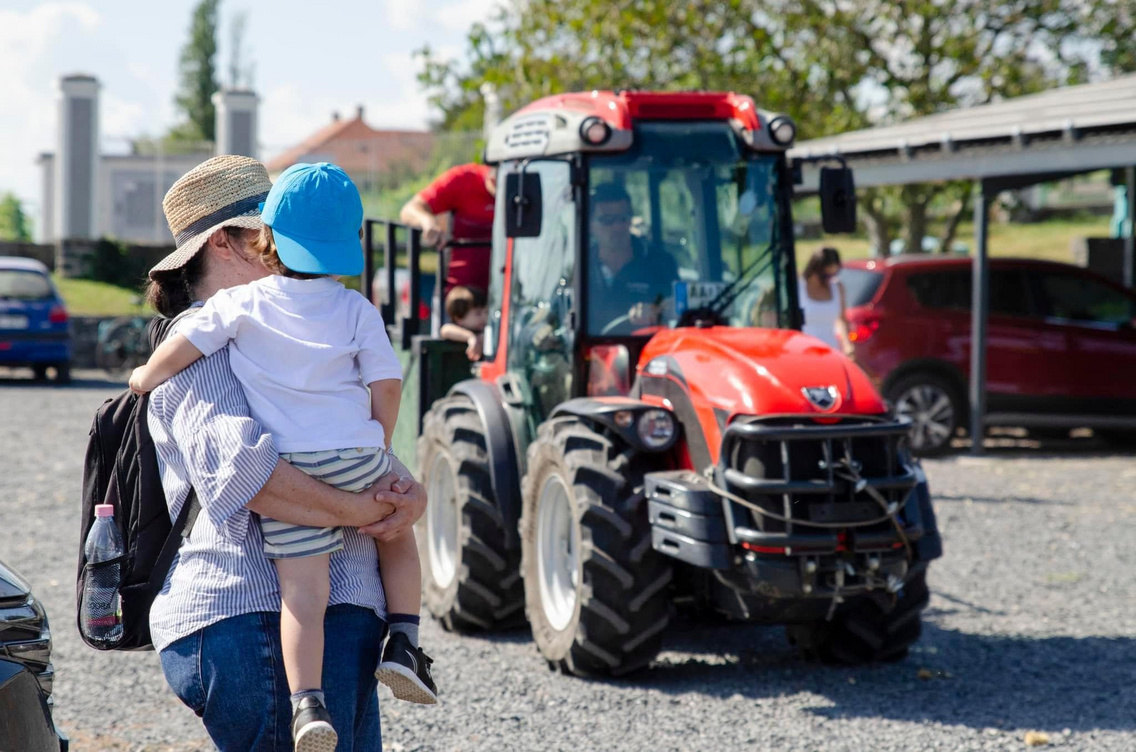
point(595, 131)
point(782, 130)
point(656, 428)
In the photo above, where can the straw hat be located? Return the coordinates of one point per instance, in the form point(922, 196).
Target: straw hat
point(224, 191)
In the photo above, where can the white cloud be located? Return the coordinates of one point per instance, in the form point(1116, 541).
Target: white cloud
point(27, 114)
point(460, 16)
point(403, 14)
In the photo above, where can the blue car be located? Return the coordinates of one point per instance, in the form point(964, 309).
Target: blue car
point(34, 329)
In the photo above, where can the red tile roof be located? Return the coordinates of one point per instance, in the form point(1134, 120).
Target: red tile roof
point(360, 149)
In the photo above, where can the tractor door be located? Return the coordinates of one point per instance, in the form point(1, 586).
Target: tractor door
point(540, 332)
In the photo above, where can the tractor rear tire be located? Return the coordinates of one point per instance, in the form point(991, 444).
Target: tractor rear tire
point(869, 630)
point(613, 614)
point(475, 583)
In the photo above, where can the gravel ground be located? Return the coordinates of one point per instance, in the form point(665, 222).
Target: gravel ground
point(1031, 629)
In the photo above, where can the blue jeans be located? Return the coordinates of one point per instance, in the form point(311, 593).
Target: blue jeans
point(232, 675)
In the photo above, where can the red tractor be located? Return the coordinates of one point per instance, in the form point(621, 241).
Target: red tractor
point(649, 427)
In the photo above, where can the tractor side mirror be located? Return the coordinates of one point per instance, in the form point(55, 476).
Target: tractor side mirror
point(522, 205)
point(837, 200)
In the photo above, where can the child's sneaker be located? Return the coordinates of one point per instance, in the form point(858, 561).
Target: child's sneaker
point(311, 727)
point(406, 670)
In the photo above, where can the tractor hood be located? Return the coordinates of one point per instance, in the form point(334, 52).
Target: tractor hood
point(760, 372)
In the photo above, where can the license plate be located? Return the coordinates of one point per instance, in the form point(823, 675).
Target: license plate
point(689, 296)
point(13, 322)
point(845, 511)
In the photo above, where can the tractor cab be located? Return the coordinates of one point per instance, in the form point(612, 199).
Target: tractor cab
point(648, 423)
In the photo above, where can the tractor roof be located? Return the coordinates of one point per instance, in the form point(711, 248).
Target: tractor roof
point(554, 125)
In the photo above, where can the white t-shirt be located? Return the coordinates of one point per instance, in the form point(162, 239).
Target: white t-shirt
point(820, 315)
point(304, 351)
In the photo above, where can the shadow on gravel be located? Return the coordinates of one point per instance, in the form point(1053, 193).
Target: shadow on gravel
point(88, 380)
point(1001, 500)
point(972, 680)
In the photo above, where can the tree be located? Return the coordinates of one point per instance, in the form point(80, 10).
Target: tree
point(13, 221)
point(198, 76)
point(833, 65)
point(533, 48)
point(240, 72)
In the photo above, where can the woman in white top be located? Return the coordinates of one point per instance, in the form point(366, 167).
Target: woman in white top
point(822, 300)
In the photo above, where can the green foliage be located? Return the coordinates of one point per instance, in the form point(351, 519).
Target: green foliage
point(198, 76)
point(833, 66)
point(13, 221)
point(111, 263)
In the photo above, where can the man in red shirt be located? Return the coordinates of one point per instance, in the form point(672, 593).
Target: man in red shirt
point(468, 192)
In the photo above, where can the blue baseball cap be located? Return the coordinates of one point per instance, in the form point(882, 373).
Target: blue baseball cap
point(315, 214)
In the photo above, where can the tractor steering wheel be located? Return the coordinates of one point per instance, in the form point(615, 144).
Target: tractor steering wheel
point(615, 324)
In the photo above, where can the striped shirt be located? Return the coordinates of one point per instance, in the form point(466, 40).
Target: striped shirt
point(204, 437)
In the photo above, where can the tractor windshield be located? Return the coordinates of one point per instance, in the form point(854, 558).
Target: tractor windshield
point(684, 220)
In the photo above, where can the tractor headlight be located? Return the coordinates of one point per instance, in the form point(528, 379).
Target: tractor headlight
point(656, 428)
point(595, 131)
point(782, 130)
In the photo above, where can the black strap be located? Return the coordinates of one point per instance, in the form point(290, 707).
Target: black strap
point(183, 525)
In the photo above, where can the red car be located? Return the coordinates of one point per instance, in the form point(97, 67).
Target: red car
point(1061, 344)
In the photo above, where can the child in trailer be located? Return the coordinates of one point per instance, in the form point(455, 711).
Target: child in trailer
point(306, 350)
point(468, 311)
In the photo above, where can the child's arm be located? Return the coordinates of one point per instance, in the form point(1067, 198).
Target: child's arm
point(171, 357)
point(385, 396)
point(472, 340)
point(456, 333)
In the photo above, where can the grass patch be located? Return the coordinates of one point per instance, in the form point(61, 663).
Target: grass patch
point(85, 297)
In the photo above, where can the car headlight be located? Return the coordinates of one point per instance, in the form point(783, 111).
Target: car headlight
point(656, 428)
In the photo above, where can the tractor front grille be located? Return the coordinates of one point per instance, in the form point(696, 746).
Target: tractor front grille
point(801, 472)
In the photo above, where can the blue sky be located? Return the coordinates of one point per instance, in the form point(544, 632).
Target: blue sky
point(310, 59)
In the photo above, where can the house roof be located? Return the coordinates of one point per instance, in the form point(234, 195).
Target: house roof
point(357, 147)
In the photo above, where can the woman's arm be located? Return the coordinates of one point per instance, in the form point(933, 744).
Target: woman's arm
point(291, 496)
point(841, 325)
point(171, 357)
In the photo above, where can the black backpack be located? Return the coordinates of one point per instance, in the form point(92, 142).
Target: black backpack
point(121, 469)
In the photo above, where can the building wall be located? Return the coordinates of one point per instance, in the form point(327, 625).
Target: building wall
point(130, 195)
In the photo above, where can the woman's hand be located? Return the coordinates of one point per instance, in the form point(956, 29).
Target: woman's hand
point(399, 489)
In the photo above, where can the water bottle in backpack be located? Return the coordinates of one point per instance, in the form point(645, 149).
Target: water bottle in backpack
point(100, 615)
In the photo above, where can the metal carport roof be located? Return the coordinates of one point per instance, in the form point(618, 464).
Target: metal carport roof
point(1000, 145)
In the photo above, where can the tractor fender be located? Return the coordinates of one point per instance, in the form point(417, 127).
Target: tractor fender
point(602, 411)
point(504, 469)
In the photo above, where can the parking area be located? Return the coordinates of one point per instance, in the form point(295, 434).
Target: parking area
point(1031, 628)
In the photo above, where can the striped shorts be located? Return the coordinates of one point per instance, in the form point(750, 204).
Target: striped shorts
point(352, 470)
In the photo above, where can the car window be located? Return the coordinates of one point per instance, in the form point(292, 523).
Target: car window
point(941, 289)
point(860, 285)
point(1009, 295)
point(24, 285)
point(1077, 298)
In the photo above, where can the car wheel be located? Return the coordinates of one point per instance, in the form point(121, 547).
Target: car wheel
point(39, 373)
point(935, 408)
point(63, 373)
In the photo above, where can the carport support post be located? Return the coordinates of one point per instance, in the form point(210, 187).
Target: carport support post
point(980, 305)
point(1130, 236)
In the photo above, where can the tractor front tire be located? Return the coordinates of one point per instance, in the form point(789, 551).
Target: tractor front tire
point(608, 616)
point(471, 580)
point(870, 629)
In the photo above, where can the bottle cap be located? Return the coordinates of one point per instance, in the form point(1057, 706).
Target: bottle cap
point(104, 510)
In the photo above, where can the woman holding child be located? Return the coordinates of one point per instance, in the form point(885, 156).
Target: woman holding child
point(270, 622)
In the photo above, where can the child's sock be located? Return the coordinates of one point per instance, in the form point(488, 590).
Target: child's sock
point(407, 624)
point(316, 693)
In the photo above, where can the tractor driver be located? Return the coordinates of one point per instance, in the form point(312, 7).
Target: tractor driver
point(628, 285)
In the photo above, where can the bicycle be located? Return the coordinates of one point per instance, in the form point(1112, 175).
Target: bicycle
point(122, 346)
